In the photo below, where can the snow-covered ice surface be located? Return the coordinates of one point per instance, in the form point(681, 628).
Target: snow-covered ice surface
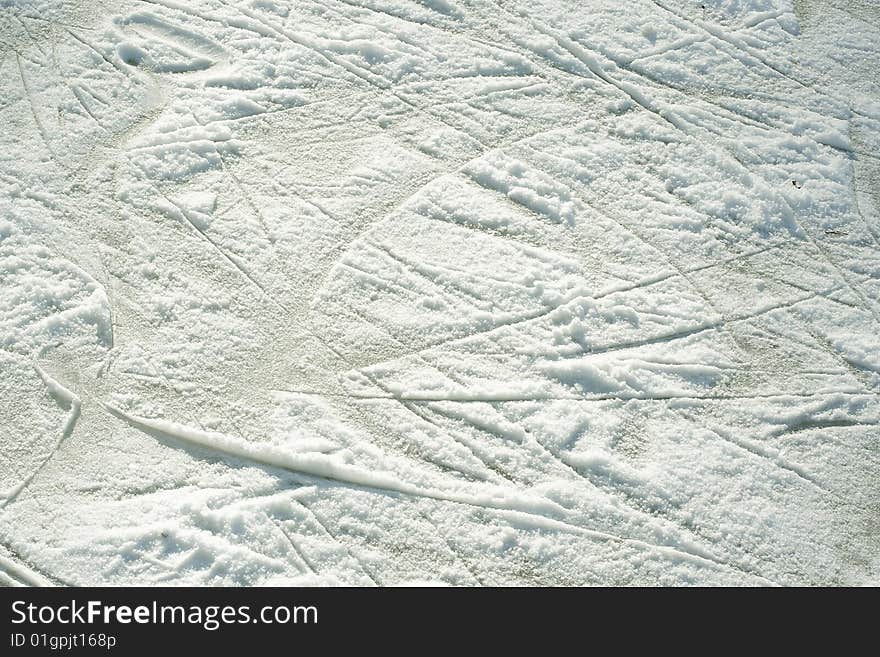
point(451, 291)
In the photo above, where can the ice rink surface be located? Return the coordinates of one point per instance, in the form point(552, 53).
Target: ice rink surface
point(461, 292)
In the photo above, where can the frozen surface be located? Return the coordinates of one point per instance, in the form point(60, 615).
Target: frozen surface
point(456, 291)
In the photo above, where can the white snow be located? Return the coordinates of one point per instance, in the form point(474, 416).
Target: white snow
point(471, 292)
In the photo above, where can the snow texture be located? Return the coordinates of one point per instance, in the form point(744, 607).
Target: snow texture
point(474, 292)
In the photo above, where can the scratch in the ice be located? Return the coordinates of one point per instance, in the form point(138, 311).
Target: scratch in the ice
point(335, 538)
point(68, 401)
point(33, 105)
point(182, 213)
